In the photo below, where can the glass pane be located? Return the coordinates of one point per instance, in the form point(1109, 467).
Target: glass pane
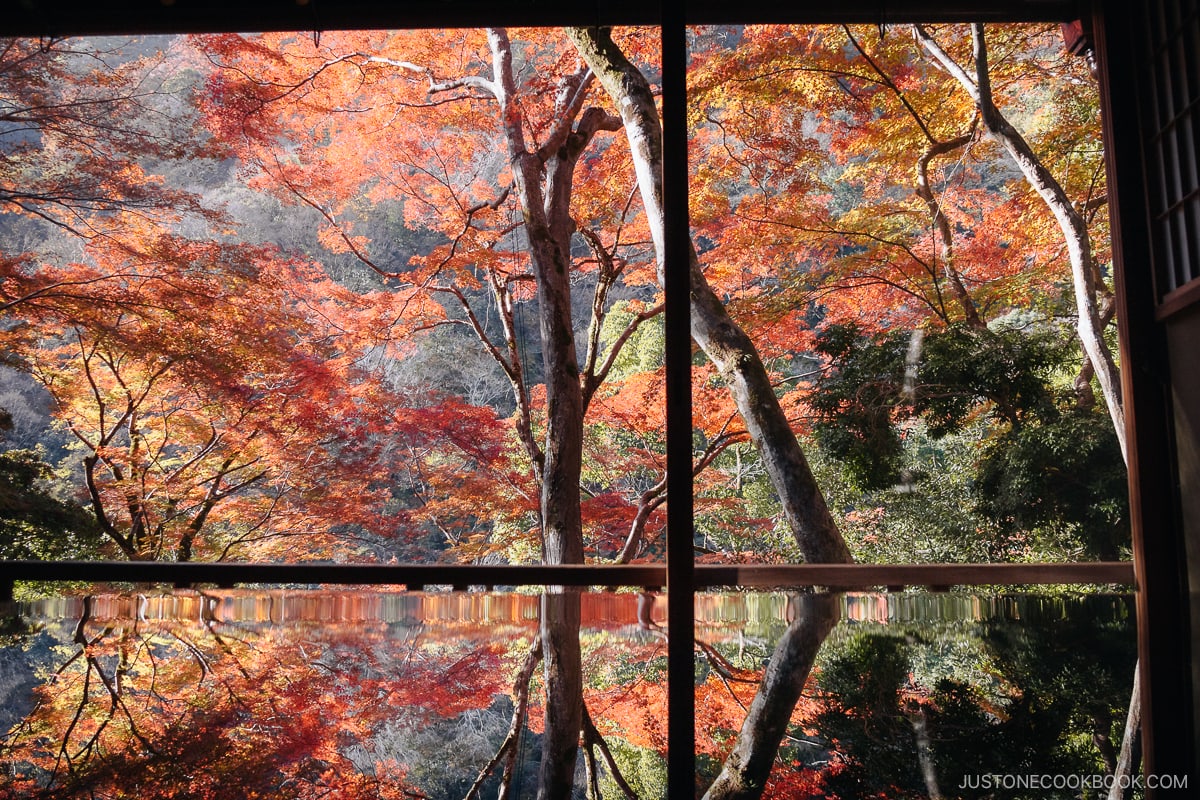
point(899, 279)
point(911, 695)
point(298, 694)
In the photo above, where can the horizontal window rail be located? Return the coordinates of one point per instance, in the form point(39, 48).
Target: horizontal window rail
point(416, 577)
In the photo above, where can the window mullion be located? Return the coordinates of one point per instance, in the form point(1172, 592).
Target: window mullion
point(681, 699)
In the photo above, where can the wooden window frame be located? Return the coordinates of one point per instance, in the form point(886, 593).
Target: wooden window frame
point(681, 577)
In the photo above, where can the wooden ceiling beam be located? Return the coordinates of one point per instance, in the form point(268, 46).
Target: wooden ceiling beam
point(70, 17)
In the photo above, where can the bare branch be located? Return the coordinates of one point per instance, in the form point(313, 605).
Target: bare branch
point(508, 747)
point(592, 736)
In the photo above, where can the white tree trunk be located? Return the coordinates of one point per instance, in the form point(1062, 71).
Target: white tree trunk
point(721, 339)
point(1072, 223)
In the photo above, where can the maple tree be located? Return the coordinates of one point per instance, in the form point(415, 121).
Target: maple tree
point(506, 223)
point(916, 219)
point(904, 227)
point(963, 267)
point(82, 128)
point(75, 117)
point(379, 73)
point(1095, 305)
point(214, 414)
point(922, 221)
point(723, 341)
point(856, 232)
point(477, 90)
point(81, 123)
point(736, 357)
point(214, 390)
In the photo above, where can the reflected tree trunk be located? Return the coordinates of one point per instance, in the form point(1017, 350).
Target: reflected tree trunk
point(1129, 759)
point(564, 691)
point(744, 775)
point(920, 726)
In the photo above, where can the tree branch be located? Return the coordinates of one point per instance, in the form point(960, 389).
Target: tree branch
point(520, 710)
point(591, 736)
point(1070, 221)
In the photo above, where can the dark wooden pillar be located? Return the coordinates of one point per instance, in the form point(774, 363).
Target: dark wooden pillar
point(681, 691)
point(1148, 127)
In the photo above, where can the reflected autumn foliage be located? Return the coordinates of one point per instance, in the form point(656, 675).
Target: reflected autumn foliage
point(306, 694)
point(269, 695)
point(193, 708)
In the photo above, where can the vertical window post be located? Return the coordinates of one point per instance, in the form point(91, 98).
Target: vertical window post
point(681, 699)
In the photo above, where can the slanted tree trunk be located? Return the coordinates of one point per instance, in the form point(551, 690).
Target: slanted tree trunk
point(745, 771)
point(744, 774)
point(1094, 304)
point(721, 339)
